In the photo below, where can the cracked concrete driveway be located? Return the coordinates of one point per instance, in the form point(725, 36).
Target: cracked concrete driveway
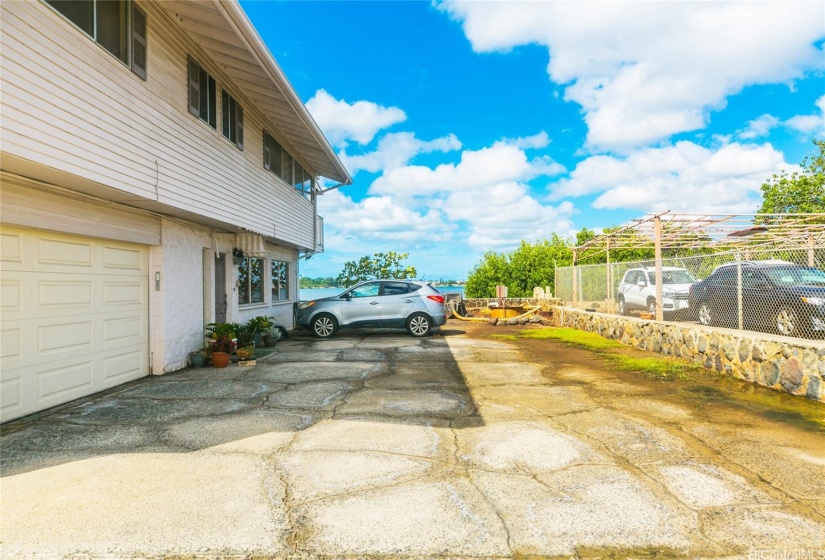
point(379, 444)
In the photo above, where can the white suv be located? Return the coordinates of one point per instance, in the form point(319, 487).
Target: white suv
point(637, 290)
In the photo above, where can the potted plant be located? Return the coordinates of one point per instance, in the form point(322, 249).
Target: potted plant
point(271, 336)
point(200, 357)
point(222, 347)
point(246, 342)
point(260, 325)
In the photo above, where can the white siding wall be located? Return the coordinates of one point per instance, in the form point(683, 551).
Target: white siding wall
point(70, 105)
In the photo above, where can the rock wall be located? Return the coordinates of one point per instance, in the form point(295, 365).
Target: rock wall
point(546, 303)
point(791, 365)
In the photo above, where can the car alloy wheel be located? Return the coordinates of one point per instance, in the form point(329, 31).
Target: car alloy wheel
point(622, 306)
point(786, 323)
point(418, 325)
point(651, 307)
point(323, 326)
point(705, 315)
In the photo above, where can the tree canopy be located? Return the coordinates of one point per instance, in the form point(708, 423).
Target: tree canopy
point(800, 191)
point(379, 265)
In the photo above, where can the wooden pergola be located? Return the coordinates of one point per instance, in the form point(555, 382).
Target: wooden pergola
point(718, 232)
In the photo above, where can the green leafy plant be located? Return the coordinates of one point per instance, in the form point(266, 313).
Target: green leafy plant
point(261, 324)
point(246, 335)
point(223, 344)
point(217, 330)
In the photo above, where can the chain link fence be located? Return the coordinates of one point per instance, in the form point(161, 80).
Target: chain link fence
point(777, 291)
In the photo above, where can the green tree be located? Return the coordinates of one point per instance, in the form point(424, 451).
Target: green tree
point(799, 192)
point(380, 265)
point(521, 270)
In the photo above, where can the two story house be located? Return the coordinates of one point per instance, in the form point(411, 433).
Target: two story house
point(157, 172)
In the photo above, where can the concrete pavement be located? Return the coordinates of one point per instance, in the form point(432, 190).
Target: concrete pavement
point(380, 444)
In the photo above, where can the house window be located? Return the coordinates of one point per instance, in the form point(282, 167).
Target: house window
point(251, 281)
point(232, 119)
point(202, 101)
point(272, 154)
point(116, 25)
point(280, 281)
point(302, 181)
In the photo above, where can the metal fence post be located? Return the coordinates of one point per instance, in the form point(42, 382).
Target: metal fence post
point(575, 287)
point(657, 232)
point(739, 289)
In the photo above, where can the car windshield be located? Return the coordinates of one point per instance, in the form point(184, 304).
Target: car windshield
point(796, 276)
point(673, 277)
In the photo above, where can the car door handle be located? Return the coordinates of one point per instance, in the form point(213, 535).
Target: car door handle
point(373, 303)
point(408, 301)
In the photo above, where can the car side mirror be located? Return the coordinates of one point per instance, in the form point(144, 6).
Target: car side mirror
point(347, 297)
point(641, 283)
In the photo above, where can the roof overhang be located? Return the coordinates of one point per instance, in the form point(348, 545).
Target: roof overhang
point(225, 34)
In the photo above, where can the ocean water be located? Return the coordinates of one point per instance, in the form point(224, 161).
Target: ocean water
point(317, 293)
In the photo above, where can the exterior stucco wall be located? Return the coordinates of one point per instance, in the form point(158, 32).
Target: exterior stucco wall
point(791, 365)
point(182, 284)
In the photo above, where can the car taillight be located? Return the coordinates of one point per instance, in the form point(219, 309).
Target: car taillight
point(438, 299)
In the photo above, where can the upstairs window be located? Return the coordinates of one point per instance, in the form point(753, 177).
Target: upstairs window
point(116, 25)
point(272, 154)
point(280, 281)
point(202, 101)
point(281, 163)
point(232, 113)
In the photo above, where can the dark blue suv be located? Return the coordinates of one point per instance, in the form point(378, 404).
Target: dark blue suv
point(778, 297)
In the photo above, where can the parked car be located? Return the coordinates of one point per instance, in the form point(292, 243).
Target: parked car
point(416, 306)
point(784, 298)
point(637, 290)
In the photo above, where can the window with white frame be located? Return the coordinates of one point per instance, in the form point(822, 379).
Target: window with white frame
point(116, 25)
point(232, 119)
point(202, 91)
point(280, 281)
point(251, 281)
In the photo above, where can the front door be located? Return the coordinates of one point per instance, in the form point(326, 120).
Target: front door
point(220, 288)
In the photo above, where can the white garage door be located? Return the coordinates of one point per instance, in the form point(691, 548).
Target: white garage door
point(75, 317)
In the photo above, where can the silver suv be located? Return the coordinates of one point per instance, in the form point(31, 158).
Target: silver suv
point(637, 290)
point(410, 304)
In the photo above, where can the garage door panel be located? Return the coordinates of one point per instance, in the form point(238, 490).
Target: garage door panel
point(11, 295)
point(65, 381)
point(124, 365)
point(11, 251)
point(120, 293)
point(75, 318)
point(11, 398)
point(125, 261)
point(62, 252)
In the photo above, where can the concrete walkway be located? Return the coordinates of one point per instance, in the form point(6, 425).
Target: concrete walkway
point(384, 445)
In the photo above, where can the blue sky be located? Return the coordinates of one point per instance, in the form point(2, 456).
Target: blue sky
point(469, 126)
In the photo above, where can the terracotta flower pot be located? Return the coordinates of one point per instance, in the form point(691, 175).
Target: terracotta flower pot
point(220, 359)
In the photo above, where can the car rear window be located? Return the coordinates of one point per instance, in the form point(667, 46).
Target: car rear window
point(396, 288)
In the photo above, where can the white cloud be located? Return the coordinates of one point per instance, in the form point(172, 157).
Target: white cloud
point(540, 140)
point(643, 71)
point(343, 122)
point(759, 127)
point(378, 219)
point(499, 163)
point(395, 150)
point(684, 177)
point(501, 216)
point(805, 124)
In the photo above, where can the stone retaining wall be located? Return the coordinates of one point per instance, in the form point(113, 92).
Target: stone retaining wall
point(791, 365)
point(546, 303)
